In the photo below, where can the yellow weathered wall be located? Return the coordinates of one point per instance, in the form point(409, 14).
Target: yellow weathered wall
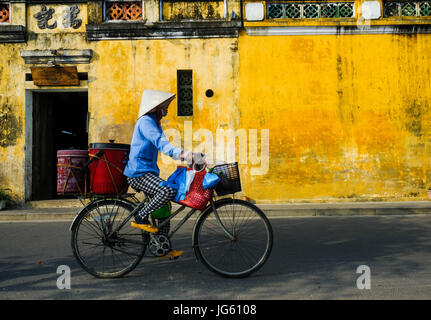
point(13, 86)
point(12, 111)
point(118, 73)
point(12, 120)
point(348, 116)
point(118, 79)
point(193, 10)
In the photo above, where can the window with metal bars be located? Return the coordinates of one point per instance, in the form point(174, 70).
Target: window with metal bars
point(123, 10)
point(310, 10)
point(407, 9)
point(4, 12)
point(185, 92)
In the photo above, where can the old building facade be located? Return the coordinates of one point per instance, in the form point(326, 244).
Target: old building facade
point(316, 100)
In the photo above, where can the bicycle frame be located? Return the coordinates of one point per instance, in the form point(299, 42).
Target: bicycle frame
point(139, 205)
point(179, 224)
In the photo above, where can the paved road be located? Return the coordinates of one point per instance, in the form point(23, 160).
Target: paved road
point(313, 258)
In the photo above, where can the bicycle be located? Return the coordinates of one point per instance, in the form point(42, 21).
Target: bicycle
point(232, 238)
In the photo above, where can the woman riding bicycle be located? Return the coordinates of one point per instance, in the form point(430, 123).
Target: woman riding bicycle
point(142, 171)
point(231, 237)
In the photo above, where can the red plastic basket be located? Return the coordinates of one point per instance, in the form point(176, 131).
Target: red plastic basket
point(197, 197)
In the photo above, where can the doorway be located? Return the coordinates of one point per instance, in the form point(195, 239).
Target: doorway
point(59, 122)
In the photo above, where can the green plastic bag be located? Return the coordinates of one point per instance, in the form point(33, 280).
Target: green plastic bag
point(163, 212)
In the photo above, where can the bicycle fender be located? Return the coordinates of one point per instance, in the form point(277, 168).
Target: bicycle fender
point(72, 225)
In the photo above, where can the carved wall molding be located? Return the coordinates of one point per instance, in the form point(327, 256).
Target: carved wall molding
point(56, 57)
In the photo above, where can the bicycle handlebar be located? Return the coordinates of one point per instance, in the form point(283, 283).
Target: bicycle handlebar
point(199, 164)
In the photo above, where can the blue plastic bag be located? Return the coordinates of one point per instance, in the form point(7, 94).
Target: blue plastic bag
point(210, 180)
point(177, 181)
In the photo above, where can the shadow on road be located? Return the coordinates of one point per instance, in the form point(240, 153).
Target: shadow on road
point(312, 258)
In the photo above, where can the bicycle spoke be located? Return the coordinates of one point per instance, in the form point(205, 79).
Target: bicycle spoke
point(250, 246)
point(98, 250)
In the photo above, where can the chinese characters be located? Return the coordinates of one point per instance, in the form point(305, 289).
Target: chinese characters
point(43, 17)
point(70, 18)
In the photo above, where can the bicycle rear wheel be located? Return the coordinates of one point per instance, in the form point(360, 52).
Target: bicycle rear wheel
point(101, 252)
point(244, 253)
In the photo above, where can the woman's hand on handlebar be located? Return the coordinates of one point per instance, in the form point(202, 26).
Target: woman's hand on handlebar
point(187, 157)
point(199, 162)
point(198, 158)
point(193, 158)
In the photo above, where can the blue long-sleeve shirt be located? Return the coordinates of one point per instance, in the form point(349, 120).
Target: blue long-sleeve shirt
point(148, 138)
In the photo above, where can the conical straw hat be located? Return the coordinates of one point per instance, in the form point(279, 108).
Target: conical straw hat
point(152, 99)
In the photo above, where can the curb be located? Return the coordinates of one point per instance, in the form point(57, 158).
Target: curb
point(32, 214)
point(347, 209)
point(67, 212)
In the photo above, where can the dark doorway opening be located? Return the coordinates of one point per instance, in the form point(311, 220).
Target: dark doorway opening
point(59, 123)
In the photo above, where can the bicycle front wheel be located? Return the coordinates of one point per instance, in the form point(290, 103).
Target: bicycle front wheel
point(241, 253)
point(100, 251)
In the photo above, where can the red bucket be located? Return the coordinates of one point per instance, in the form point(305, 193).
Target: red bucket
point(70, 178)
point(106, 173)
point(197, 197)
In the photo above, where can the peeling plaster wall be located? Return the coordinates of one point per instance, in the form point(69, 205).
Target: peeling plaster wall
point(117, 80)
point(12, 119)
point(13, 88)
point(118, 73)
point(349, 116)
point(193, 10)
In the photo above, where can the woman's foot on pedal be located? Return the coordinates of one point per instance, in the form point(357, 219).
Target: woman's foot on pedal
point(144, 224)
point(173, 254)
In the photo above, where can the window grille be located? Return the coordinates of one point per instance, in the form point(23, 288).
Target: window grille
point(311, 10)
point(185, 92)
point(4, 12)
point(407, 9)
point(123, 10)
